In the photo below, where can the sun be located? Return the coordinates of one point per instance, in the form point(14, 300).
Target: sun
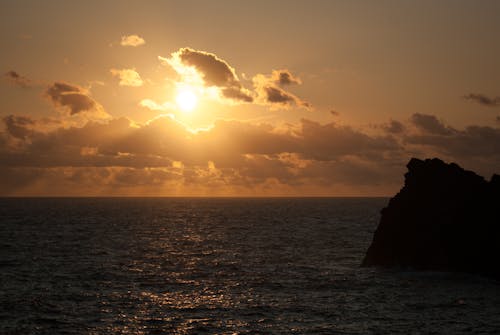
point(186, 100)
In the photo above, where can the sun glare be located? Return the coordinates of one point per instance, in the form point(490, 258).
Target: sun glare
point(186, 100)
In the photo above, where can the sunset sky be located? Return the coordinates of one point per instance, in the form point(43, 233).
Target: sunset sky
point(243, 98)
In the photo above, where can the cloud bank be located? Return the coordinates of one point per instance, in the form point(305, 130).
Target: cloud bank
point(163, 157)
point(84, 151)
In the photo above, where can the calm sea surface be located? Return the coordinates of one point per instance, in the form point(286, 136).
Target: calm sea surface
point(219, 266)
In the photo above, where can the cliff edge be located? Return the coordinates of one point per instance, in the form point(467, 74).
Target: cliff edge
point(444, 218)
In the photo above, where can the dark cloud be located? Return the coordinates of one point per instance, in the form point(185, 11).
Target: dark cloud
point(237, 93)
point(430, 124)
point(330, 141)
point(473, 141)
point(393, 127)
point(215, 72)
point(75, 181)
point(75, 98)
point(269, 93)
point(14, 179)
point(233, 155)
point(334, 112)
point(19, 126)
point(114, 143)
point(483, 99)
point(119, 143)
point(277, 95)
point(17, 80)
point(353, 171)
point(240, 138)
point(284, 77)
point(139, 177)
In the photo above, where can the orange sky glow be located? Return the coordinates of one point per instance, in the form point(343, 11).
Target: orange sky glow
point(233, 98)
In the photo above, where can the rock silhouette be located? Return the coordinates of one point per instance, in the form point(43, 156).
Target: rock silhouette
point(444, 218)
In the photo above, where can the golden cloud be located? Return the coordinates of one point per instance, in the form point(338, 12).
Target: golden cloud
point(132, 41)
point(128, 77)
point(204, 68)
point(232, 155)
point(269, 93)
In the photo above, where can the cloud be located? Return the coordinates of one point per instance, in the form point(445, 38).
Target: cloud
point(430, 124)
point(163, 157)
point(483, 99)
point(237, 94)
point(472, 142)
point(16, 79)
point(393, 127)
point(19, 126)
point(194, 65)
point(154, 106)
point(277, 95)
point(269, 93)
point(75, 181)
point(204, 68)
point(239, 152)
point(132, 41)
point(128, 77)
point(284, 77)
point(22, 127)
point(73, 98)
point(215, 71)
point(331, 141)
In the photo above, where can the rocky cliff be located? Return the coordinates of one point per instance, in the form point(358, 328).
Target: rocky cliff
point(444, 218)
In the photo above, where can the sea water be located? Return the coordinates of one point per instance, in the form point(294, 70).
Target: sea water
point(219, 266)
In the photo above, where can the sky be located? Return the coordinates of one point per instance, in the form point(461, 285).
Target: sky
point(243, 98)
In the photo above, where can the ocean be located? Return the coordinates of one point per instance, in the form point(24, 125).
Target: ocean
point(219, 266)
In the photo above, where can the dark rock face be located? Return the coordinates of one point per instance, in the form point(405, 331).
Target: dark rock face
point(444, 218)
